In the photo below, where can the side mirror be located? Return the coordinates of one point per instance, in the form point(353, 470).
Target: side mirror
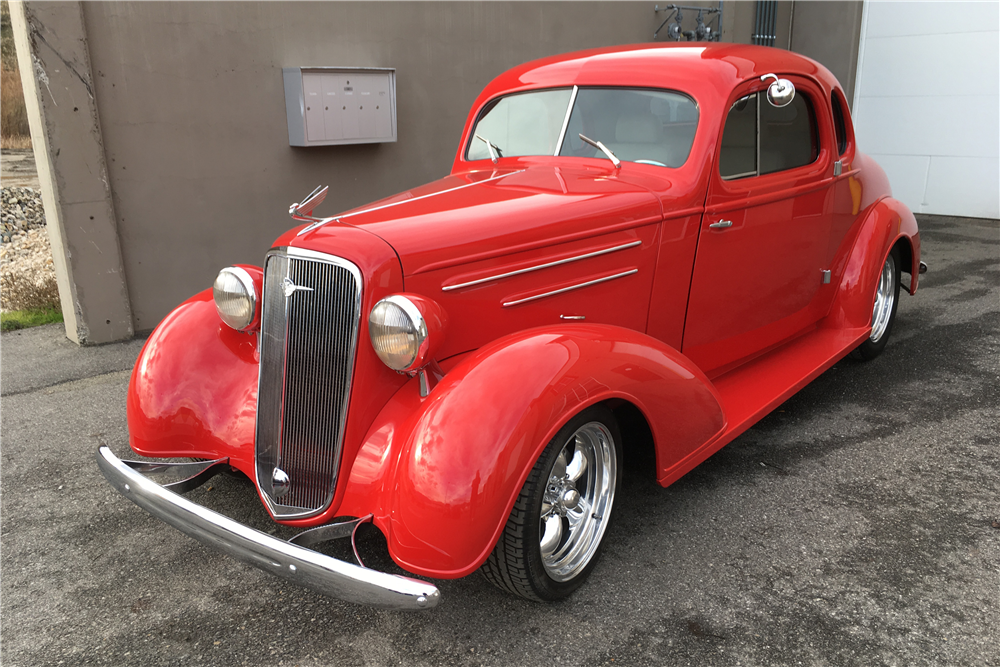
point(781, 92)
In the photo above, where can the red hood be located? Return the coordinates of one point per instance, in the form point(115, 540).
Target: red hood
point(478, 214)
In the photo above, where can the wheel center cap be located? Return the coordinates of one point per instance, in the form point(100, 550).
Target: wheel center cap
point(570, 499)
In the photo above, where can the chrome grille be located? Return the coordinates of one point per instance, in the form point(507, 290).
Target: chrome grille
point(309, 333)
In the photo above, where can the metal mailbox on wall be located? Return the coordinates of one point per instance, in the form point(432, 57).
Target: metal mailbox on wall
point(328, 106)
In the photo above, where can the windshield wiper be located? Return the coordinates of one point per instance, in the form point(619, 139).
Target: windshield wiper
point(604, 149)
point(493, 149)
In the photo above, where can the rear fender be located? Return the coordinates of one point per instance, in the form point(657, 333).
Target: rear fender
point(888, 221)
point(466, 450)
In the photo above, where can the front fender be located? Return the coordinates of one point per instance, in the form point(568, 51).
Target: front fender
point(193, 390)
point(887, 222)
point(466, 451)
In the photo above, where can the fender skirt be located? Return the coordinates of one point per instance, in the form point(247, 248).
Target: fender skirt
point(465, 451)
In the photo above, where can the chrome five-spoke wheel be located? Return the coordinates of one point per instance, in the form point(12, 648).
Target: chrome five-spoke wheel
point(579, 494)
point(554, 533)
point(884, 310)
point(885, 299)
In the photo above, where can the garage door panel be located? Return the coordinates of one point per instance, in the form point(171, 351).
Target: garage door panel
point(932, 64)
point(929, 125)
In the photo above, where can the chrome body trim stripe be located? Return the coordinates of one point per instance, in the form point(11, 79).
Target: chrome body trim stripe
point(570, 288)
point(338, 218)
point(297, 564)
point(539, 267)
point(569, 112)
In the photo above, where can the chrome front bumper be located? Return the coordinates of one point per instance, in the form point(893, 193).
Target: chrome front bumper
point(297, 564)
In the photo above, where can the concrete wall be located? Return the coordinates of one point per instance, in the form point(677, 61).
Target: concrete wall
point(65, 129)
point(829, 32)
point(927, 106)
point(740, 18)
point(193, 116)
point(179, 141)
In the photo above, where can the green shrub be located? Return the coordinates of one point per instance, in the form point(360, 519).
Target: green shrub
point(22, 319)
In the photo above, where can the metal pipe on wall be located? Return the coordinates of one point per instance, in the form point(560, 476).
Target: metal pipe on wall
point(755, 38)
point(772, 23)
point(765, 20)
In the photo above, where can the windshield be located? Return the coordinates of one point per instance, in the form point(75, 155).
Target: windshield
point(637, 125)
point(524, 124)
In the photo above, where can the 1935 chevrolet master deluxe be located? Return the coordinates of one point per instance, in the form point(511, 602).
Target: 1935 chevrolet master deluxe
point(670, 238)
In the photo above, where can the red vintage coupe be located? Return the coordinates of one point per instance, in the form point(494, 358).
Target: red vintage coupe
point(661, 239)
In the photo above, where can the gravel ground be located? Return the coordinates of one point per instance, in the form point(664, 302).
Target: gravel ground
point(854, 525)
point(25, 251)
point(21, 211)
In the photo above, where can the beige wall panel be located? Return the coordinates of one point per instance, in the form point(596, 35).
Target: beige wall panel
point(193, 114)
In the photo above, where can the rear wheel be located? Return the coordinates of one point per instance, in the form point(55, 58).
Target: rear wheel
point(555, 531)
point(884, 311)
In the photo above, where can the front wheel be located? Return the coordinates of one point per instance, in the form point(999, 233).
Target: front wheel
point(555, 530)
point(884, 311)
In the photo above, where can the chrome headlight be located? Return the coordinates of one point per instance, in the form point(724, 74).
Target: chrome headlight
point(399, 333)
point(235, 298)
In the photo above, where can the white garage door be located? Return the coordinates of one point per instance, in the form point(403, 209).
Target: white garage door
point(927, 103)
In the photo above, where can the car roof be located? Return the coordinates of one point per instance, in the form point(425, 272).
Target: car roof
point(702, 69)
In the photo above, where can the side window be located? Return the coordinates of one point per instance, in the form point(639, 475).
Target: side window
point(738, 157)
point(760, 138)
point(787, 135)
point(838, 123)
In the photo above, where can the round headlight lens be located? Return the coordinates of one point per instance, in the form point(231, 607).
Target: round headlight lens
point(235, 297)
point(398, 332)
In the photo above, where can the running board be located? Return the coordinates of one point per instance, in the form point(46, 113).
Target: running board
point(752, 390)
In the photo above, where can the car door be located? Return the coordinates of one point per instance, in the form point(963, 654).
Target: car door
point(762, 249)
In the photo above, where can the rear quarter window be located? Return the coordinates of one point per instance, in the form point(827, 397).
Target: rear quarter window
point(838, 123)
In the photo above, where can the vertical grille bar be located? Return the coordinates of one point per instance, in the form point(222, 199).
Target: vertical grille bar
point(309, 336)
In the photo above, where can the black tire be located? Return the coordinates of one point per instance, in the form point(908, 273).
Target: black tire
point(883, 313)
point(517, 563)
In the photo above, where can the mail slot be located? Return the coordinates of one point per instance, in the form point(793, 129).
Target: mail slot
point(327, 106)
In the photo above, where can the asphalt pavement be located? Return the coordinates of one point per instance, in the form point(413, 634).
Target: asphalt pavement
point(854, 525)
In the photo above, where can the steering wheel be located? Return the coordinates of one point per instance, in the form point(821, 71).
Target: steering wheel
point(652, 162)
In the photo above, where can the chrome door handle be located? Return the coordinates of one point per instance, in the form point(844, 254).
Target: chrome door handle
point(721, 224)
